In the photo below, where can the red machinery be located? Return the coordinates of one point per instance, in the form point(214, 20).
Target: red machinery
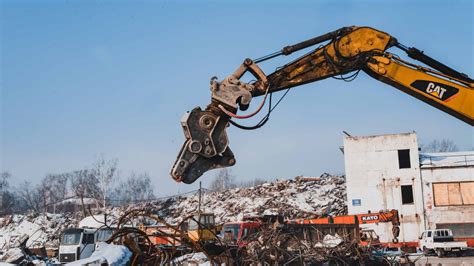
point(239, 232)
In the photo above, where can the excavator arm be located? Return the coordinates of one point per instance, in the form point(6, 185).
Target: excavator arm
point(346, 50)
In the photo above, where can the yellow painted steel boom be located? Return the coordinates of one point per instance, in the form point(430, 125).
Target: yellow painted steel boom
point(346, 51)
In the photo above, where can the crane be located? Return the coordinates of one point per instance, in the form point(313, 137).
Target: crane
point(345, 51)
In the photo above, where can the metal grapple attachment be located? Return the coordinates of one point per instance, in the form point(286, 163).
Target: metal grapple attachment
point(205, 148)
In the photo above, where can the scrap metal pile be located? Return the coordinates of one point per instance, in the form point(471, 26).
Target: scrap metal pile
point(31, 238)
point(274, 243)
point(300, 197)
point(159, 231)
point(304, 244)
point(165, 243)
point(42, 230)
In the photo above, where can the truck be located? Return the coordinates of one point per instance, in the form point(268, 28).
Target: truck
point(239, 232)
point(441, 242)
point(79, 243)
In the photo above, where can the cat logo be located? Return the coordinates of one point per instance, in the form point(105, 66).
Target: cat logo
point(435, 90)
point(369, 218)
point(440, 91)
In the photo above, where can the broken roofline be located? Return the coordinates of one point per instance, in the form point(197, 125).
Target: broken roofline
point(447, 159)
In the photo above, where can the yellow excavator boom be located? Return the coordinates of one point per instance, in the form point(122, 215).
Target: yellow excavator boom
point(346, 51)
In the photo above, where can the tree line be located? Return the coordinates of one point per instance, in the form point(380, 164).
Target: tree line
point(99, 183)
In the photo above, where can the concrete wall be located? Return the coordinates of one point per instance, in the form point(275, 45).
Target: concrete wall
point(446, 214)
point(374, 177)
point(374, 182)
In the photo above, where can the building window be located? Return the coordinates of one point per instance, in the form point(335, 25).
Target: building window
point(407, 194)
point(453, 193)
point(404, 159)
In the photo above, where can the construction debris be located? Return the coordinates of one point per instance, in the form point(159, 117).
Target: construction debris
point(298, 198)
point(42, 231)
point(290, 198)
point(304, 244)
point(157, 232)
point(14, 255)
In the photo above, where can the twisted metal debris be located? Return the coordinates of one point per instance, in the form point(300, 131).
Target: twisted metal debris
point(275, 243)
point(145, 252)
point(292, 244)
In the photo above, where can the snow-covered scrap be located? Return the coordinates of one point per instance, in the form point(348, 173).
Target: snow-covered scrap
point(292, 198)
point(41, 230)
point(96, 221)
point(192, 259)
point(108, 254)
point(298, 198)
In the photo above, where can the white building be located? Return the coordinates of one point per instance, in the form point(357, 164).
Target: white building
point(448, 189)
point(384, 172)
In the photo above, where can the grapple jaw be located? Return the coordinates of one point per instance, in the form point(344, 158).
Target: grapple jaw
point(205, 147)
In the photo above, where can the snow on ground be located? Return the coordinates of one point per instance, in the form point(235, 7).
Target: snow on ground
point(113, 255)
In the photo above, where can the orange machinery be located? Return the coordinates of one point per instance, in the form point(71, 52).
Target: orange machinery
point(161, 235)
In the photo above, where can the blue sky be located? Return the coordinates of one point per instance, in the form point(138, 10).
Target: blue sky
point(85, 78)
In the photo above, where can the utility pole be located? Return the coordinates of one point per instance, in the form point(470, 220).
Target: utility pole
point(199, 206)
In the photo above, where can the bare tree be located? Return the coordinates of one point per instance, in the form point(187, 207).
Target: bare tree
point(42, 191)
point(134, 189)
point(3, 190)
point(53, 189)
point(59, 188)
point(223, 181)
point(84, 184)
point(444, 145)
point(4, 180)
point(30, 196)
point(7, 199)
point(104, 172)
